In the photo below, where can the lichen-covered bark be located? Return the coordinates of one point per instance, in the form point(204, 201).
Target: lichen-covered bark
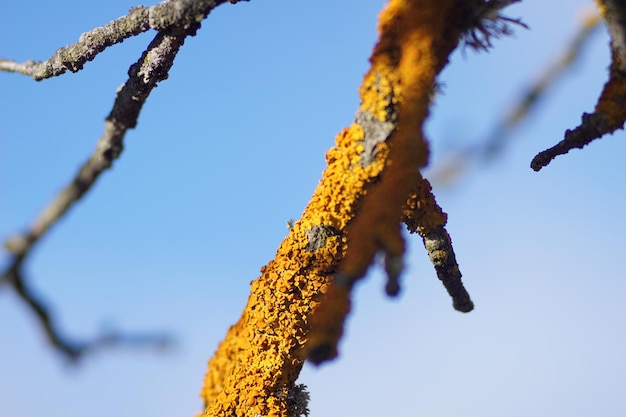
point(262, 354)
point(422, 215)
point(413, 48)
point(416, 38)
point(357, 207)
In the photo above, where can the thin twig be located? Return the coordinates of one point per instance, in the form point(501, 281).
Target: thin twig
point(609, 113)
point(593, 127)
point(180, 13)
point(175, 20)
point(439, 246)
point(458, 161)
point(151, 68)
point(74, 350)
point(422, 214)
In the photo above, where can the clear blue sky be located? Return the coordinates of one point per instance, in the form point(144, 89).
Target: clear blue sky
point(232, 145)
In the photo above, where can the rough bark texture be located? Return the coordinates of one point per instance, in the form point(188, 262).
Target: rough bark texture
point(295, 310)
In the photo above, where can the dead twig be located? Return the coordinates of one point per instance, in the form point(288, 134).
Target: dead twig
point(175, 20)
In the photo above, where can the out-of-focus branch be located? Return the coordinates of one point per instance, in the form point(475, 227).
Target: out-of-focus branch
point(174, 20)
point(610, 112)
point(180, 13)
point(74, 350)
point(460, 160)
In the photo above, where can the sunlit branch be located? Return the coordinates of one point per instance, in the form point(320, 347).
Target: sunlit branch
point(610, 111)
point(175, 20)
point(180, 13)
point(458, 161)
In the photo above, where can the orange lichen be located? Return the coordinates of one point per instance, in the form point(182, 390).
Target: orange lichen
point(255, 367)
point(416, 38)
point(261, 354)
point(421, 213)
point(414, 45)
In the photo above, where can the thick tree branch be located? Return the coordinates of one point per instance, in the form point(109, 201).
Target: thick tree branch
point(416, 39)
point(297, 307)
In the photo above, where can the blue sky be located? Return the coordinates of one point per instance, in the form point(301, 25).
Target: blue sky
point(232, 145)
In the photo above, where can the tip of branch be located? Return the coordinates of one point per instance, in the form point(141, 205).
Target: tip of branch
point(464, 306)
point(593, 127)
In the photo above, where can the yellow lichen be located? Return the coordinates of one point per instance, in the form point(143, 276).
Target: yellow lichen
point(414, 45)
point(262, 354)
point(421, 213)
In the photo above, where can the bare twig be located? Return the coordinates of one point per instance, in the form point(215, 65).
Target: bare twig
point(180, 13)
point(610, 112)
point(71, 349)
point(593, 126)
point(151, 68)
point(458, 161)
point(174, 20)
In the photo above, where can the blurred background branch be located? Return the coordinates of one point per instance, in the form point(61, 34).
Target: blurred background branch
point(456, 163)
point(72, 349)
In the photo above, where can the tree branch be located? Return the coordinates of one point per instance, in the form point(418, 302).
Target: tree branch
point(610, 112)
point(459, 160)
point(297, 307)
point(175, 20)
point(416, 39)
point(180, 13)
point(74, 350)
point(422, 214)
point(151, 68)
point(593, 127)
